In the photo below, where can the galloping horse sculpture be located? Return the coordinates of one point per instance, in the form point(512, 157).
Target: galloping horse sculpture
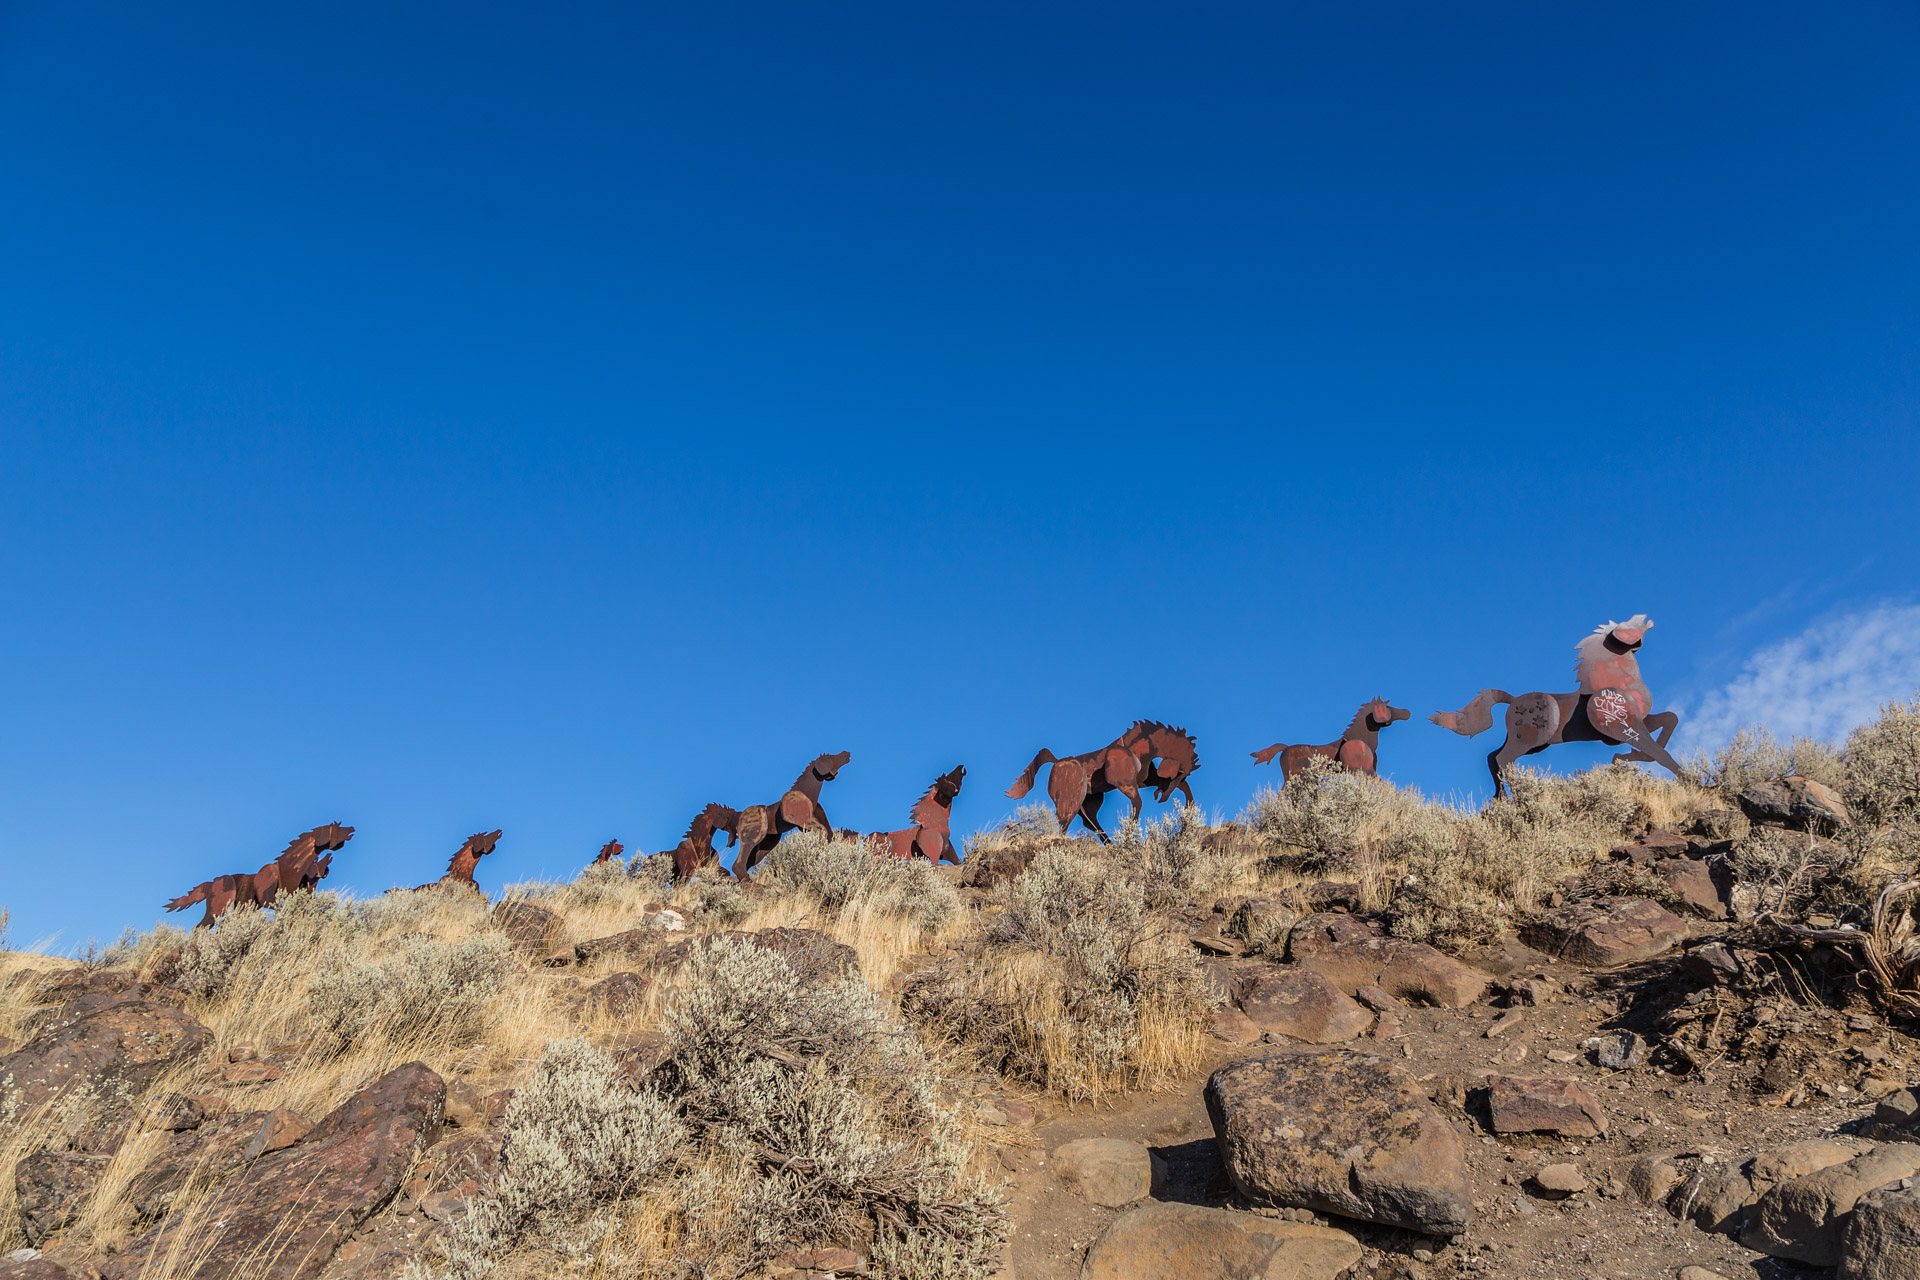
point(1358, 748)
point(928, 837)
point(1150, 754)
point(761, 826)
point(609, 851)
point(299, 866)
point(1612, 705)
point(695, 849)
point(465, 859)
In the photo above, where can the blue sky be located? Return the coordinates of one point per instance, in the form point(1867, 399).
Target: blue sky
point(437, 419)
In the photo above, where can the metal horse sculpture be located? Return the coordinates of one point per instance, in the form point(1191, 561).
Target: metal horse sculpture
point(465, 859)
point(1358, 748)
point(1150, 754)
point(695, 849)
point(299, 866)
point(1612, 704)
point(928, 837)
point(609, 851)
point(761, 826)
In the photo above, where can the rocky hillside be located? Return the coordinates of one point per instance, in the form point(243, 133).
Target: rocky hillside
point(1618, 1026)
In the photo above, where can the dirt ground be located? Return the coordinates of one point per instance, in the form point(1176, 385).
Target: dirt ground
point(1726, 1111)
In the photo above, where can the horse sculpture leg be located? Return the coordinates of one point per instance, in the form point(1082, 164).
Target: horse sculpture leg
point(1660, 725)
point(1090, 816)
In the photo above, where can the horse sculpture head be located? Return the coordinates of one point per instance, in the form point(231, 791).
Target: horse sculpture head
point(1625, 637)
point(1380, 713)
point(827, 768)
point(947, 785)
point(609, 851)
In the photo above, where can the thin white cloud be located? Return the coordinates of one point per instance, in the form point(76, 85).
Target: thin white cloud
point(1819, 684)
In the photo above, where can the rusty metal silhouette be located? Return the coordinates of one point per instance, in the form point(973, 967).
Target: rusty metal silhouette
point(695, 850)
point(299, 866)
point(465, 859)
point(609, 851)
point(1150, 754)
point(928, 837)
point(1612, 705)
point(761, 826)
point(1358, 748)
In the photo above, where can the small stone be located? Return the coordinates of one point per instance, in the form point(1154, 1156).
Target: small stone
point(1859, 1022)
point(1562, 1056)
point(1505, 1023)
point(1698, 1273)
point(251, 1072)
point(242, 1053)
point(1536, 1104)
point(1652, 1177)
point(1234, 1027)
point(1622, 1050)
point(1513, 1055)
point(1560, 1179)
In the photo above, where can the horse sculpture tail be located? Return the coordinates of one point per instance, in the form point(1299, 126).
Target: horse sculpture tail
point(1024, 783)
point(1266, 755)
point(1476, 716)
point(196, 894)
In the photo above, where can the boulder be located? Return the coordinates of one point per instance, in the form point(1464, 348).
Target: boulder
point(1406, 970)
point(1301, 1005)
point(1881, 1240)
point(531, 928)
point(1330, 895)
point(1263, 924)
point(122, 1048)
point(1796, 802)
point(1803, 1218)
point(1622, 1050)
point(1107, 1171)
point(618, 995)
point(1323, 929)
point(1544, 1104)
point(1692, 882)
point(812, 954)
point(1160, 1241)
point(1342, 1132)
point(986, 868)
point(208, 1154)
point(51, 1187)
point(1715, 825)
point(1610, 931)
point(310, 1197)
point(33, 1269)
point(1234, 1027)
point(1561, 1179)
point(1652, 1177)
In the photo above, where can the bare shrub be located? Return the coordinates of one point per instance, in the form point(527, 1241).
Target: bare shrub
point(1753, 756)
point(442, 988)
point(1320, 817)
point(577, 1134)
point(1882, 766)
point(1077, 986)
point(716, 900)
point(212, 962)
point(1169, 857)
point(839, 873)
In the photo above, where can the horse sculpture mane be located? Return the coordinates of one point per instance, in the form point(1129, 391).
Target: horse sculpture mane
point(298, 866)
point(695, 849)
point(609, 851)
point(460, 867)
point(1357, 749)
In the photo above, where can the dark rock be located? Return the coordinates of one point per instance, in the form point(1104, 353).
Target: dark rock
point(618, 995)
point(1301, 1005)
point(1797, 803)
point(1622, 1050)
point(195, 1160)
point(1692, 882)
point(1341, 1132)
point(531, 928)
point(1210, 938)
point(33, 1269)
point(1322, 930)
point(52, 1187)
point(1881, 1240)
point(988, 867)
point(1407, 970)
point(310, 1197)
point(811, 953)
point(1330, 895)
point(1544, 1104)
point(1711, 963)
point(1263, 923)
point(1610, 931)
point(124, 1047)
point(1718, 824)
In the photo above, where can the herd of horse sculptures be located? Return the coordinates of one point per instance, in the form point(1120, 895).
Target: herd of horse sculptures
point(1612, 705)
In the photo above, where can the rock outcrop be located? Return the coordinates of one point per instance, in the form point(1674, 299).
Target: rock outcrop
point(1406, 970)
point(1301, 1005)
point(122, 1047)
point(283, 1218)
point(1610, 931)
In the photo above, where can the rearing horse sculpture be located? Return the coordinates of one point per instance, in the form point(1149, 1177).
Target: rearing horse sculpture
point(465, 859)
point(609, 851)
point(696, 850)
point(1358, 748)
point(761, 826)
point(929, 836)
point(1150, 754)
point(1612, 704)
point(299, 866)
